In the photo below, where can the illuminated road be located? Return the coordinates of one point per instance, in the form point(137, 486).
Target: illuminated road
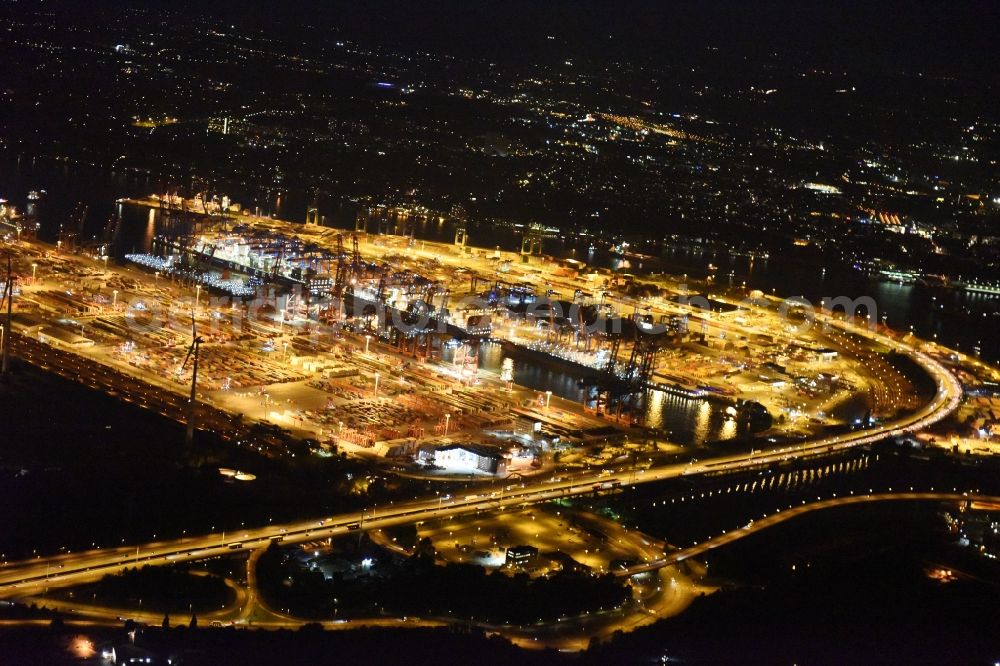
point(781, 516)
point(31, 576)
point(667, 595)
point(664, 594)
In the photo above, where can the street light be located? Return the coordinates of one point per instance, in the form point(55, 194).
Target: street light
point(548, 398)
point(376, 384)
point(447, 419)
point(197, 295)
point(114, 298)
point(368, 339)
point(34, 267)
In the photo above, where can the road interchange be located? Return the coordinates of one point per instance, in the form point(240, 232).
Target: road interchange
point(18, 578)
point(26, 577)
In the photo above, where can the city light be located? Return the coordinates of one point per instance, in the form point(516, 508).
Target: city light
point(641, 317)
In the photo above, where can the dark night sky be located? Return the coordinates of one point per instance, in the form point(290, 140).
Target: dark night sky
point(950, 38)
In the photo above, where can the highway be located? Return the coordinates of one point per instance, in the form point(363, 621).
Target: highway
point(28, 577)
point(781, 516)
point(664, 596)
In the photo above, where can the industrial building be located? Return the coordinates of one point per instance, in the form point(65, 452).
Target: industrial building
point(465, 458)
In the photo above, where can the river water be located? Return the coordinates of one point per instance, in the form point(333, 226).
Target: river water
point(959, 320)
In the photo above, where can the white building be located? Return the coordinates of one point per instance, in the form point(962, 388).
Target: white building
point(466, 458)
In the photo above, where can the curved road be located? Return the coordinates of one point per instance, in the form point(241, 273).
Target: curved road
point(571, 633)
point(782, 516)
point(30, 576)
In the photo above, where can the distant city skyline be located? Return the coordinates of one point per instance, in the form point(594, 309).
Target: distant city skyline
point(499, 332)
